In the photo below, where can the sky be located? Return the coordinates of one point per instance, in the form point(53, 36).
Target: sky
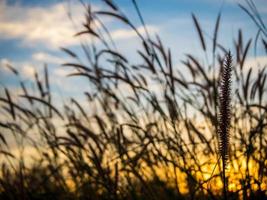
point(33, 31)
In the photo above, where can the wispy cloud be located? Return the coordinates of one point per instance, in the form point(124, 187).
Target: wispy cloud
point(3, 65)
point(27, 70)
point(47, 58)
point(255, 62)
point(24, 68)
point(48, 26)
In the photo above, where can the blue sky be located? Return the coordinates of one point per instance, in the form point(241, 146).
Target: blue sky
point(32, 31)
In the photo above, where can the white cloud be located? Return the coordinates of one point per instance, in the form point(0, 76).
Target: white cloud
point(4, 63)
point(48, 26)
point(27, 70)
point(47, 58)
point(255, 62)
point(62, 72)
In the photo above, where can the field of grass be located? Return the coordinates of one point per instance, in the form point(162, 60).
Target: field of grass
point(148, 130)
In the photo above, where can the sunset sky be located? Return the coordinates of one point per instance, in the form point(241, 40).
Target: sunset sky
point(32, 31)
point(127, 118)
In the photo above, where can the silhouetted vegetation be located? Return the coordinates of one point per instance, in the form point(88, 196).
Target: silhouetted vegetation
point(148, 129)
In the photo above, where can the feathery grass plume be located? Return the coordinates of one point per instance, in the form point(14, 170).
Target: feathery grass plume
point(225, 113)
point(224, 106)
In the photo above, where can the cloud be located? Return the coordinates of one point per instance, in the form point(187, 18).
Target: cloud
point(4, 63)
point(255, 62)
point(48, 26)
point(27, 70)
point(47, 58)
point(62, 72)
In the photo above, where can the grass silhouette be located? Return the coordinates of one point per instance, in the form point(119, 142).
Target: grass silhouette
point(131, 141)
point(225, 114)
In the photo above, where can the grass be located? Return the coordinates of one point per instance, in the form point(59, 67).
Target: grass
point(225, 115)
point(135, 142)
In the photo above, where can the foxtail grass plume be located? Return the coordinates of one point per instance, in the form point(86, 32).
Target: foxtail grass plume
point(225, 115)
point(225, 107)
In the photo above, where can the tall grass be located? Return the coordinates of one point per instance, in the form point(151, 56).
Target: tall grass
point(132, 141)
point(225, 114)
